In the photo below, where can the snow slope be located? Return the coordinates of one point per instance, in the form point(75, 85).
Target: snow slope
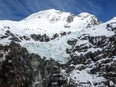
point(49, 22)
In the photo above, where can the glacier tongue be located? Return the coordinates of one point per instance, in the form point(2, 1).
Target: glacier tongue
point(55, 49)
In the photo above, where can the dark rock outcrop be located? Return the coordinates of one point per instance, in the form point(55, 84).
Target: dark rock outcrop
point(18, 68)
point(101, 61)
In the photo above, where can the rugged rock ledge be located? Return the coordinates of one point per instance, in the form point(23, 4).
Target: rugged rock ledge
point(100, 62)
point(18, 68)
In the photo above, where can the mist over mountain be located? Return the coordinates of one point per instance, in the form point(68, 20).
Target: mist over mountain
point(19, 9)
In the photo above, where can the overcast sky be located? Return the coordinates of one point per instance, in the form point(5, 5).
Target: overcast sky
point(19, 9)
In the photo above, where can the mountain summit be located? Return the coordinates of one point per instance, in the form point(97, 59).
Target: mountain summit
point(50, 22)
point(52, 48)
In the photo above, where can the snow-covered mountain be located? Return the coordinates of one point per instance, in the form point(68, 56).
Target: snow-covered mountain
point(58, 49)
point(49, 22)
point(46, 26)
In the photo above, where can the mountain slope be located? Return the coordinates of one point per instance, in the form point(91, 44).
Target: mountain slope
point(82, 50)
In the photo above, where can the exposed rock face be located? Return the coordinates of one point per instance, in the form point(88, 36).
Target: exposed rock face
point(21, 69)
point(35, 37)
point(97, 56)
point(15, 66)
